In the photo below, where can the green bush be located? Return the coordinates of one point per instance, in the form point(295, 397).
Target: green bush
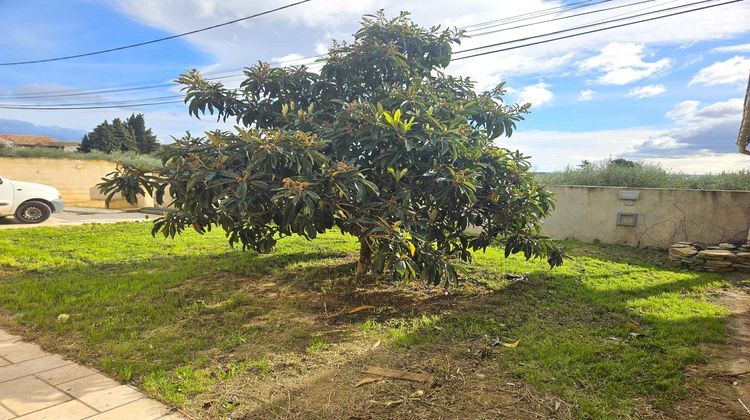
point(145, 162)
point(645, 175)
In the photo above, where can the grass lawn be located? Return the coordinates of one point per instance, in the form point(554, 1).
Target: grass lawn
point(218, 332)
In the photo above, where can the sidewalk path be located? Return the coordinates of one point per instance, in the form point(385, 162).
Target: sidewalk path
point(35, 384)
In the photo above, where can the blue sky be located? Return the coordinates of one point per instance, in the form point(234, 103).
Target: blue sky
point(668, 91)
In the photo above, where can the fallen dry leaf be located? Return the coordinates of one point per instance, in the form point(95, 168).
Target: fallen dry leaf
point(416, 394)
point(512, 344)
point(397, 374)
point(367, 380)
point(360, 308)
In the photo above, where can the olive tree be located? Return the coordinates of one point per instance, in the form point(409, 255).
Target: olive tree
point(380, 144)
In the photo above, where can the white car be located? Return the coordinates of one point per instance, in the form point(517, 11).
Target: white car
point(28, 202)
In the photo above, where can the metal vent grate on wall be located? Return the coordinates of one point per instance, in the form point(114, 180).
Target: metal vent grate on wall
point(627, 219)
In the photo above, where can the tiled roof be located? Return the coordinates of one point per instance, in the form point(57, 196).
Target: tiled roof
point(24, 140)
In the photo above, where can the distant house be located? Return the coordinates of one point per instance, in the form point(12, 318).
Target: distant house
point(70, 146)
point(45, 142)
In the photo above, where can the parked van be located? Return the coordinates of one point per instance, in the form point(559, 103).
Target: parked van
point(28, 202)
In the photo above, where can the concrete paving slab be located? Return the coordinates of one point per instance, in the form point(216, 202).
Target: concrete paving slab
point(64, 374)
point(5, 414)
point(149, 409)
point(30, 367)
point(46, 386)
point(25, 395)
point(71, 410)
point(16, 351)
point(88, 384)
point(108, 399)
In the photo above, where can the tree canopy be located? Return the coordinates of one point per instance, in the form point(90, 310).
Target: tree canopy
point(381, 143)
point(130, 135)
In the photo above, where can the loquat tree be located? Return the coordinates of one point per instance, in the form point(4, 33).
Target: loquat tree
point(381, 144)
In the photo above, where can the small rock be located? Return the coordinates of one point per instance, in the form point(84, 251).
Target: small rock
point(718, 263)
point(716, 254)
point(683, 251)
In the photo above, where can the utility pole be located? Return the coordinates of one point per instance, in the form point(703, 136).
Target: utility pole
point(743, 139)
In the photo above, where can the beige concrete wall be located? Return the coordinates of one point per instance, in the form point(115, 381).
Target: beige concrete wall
point(664, 216)
point(76, 179)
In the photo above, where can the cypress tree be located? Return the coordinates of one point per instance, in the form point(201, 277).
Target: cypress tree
point(145, 139)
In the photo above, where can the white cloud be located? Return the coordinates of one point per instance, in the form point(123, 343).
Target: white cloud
point(621, 63)
point(306, 29)
point(300, 28)
point(709, 129)
point(488, 71)
point(553, 150)
point(646, 91)
point(586, 95)
point(683, 109)
point(321, 48)
point(741, 48)
point(702, 140)
point(288, 58)
point(733, 70)
point(703, 162)
point(536, 94)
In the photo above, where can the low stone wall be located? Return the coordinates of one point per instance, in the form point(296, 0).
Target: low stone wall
point(722, 257)
point(648, 217)
point(76, 179)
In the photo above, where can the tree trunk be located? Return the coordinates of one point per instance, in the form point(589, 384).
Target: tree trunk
point(365, 257)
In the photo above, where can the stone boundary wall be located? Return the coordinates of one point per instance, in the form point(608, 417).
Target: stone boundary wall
point(648, 217)
point(722, 257)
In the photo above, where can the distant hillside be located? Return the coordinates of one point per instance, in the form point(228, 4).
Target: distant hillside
point(24, 127)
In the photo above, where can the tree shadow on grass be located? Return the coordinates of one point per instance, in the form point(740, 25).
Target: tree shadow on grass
point(591, 351)
point(135, 320)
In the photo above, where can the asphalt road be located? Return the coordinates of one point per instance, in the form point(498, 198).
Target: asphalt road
point(75, 216)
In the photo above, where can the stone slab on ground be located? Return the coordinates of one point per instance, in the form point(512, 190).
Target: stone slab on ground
point(35, 384)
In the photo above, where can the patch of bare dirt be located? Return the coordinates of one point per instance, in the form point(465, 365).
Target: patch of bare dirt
point(724, 391)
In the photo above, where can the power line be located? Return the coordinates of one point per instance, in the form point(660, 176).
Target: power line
point(562, 18)
point(58, 108)
point(77, 92)
point(154, 41)
point(587, 26)
point(71, 106)
point(636, 11)
point(589, 32)
point(114, 102)
point(96, 92)
point(538, 13)
point(156, 85)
